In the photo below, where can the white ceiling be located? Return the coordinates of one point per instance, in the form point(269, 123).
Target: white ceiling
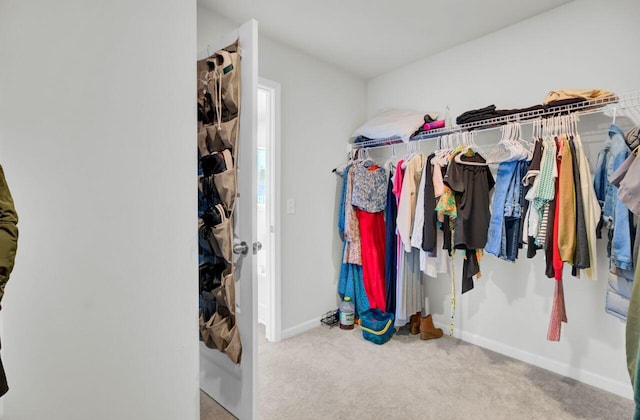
point(372, 37)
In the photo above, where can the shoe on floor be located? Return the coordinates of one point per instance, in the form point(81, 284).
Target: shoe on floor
point(427, 330)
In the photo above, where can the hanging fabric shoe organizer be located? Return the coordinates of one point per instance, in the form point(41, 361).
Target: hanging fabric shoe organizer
point(218, 113)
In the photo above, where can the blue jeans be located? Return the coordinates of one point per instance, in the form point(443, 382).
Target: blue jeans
point(510, 242)
point(506, 171)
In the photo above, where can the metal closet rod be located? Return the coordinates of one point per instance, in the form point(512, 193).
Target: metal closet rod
point(626, 100)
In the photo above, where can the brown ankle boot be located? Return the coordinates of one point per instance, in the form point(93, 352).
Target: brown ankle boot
point(427, 330)
point(414, 321)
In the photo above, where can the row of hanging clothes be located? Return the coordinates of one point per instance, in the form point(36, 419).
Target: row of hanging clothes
point(617, 183)
point(560, 211)
point(544, 198)
point(617, 188)
point(383, 257)
point(410, 215)
point(614, 181)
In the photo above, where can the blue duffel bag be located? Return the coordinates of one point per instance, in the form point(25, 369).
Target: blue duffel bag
point(377, 326)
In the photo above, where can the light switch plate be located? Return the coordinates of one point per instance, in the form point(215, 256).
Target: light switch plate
point(291, 206)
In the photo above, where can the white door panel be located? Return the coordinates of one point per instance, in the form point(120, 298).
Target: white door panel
point(235, 386)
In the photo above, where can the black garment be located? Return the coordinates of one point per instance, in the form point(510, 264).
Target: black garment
point(476, 114)
point(471, 186)
point(490, 111)
point(448, 238)
point(581, 258)
point(525, 208)
point(391, 258)
point(536, 159)
point(470, 267)
point(548, 250)
point(532, 173)
point(532, 248)
point(429, 230)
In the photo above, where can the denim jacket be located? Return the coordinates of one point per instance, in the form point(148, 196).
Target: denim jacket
point(614, 213)
point(503, 238)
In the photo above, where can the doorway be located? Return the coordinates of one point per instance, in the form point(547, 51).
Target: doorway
point(268, 208)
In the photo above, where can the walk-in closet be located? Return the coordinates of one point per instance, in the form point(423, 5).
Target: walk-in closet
point(289, 209)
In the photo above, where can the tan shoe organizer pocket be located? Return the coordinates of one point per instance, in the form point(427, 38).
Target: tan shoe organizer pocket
point(223, 234)
point(226, 67)
point(223, 84)
point(224, 138)
point(227, 187)
point(234, 347)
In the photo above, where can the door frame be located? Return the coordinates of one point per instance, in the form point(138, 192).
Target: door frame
point(274, 329)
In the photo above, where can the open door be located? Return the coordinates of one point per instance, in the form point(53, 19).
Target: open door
point(235, 386)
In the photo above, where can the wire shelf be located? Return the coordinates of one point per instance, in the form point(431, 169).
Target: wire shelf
point(627, 100)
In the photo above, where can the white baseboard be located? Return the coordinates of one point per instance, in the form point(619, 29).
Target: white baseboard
point(619, 388)
point(263, 314)
point(300, 328)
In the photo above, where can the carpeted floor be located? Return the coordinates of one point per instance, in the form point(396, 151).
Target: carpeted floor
point(335, 374)
point(211, 410)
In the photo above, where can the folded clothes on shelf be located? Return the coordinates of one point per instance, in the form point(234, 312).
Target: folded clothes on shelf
point(554, 99)
point(393, 124)
point(490, 111)
point(555, 96)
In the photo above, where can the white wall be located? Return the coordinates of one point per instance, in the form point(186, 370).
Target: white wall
point(97, 127)
point(585, 44)
point(321, 106)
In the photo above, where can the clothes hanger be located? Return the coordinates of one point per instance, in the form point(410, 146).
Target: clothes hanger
point(411, 150)
point(567, 126)
point(340, 168)
point(469, 137)
point(513, 142)
point(458, 159)
point(365, 157)
point(506, 149)
point(366, 160)
point(442, 151)
point(388, 164)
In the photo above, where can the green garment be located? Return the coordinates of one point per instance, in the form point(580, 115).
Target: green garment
point(8, 247)
point(636, 392)
point(633, 326)
point(8, 233)
point(632, 337)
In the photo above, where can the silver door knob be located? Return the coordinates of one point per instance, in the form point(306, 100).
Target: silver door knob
point(257, 246)
point(241, 248)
